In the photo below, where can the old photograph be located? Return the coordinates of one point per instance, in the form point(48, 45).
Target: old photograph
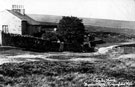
point(67, 43)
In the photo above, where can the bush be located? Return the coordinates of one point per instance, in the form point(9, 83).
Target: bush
point(50, 36)
point(71, 29)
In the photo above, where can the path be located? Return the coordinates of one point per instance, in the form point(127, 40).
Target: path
point(17, 55)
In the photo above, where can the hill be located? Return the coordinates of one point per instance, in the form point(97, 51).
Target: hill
point(92, 24)
point(126, 31)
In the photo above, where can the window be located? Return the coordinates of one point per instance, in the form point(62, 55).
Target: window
point(5, 28)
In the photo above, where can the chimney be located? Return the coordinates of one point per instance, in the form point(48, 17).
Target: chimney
point(18, 8)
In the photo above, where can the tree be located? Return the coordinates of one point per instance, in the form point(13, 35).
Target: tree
point(71, 30)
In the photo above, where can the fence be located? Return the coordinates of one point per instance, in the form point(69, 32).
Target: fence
point(29, 42)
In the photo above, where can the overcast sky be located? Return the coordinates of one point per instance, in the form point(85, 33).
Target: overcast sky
point(105, 9)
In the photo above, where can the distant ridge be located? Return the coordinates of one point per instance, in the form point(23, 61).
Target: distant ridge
point(109, 23)
point(87, 21)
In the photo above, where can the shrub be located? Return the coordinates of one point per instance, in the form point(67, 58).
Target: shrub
point(71, 29)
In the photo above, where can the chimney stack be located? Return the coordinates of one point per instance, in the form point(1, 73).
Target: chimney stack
point(18, 8)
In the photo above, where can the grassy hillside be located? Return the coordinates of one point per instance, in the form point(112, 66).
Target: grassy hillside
point(109, 30)
point(111, 35)
point(126, 31)
point(127, 27)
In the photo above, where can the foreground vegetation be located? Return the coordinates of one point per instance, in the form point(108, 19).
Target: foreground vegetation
point(107, 73)
point(104, 71)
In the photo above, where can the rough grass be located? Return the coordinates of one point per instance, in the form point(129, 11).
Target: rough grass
point(66, 74)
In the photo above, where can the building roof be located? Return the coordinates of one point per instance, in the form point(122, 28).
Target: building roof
point(32, 20)
point(45, 18)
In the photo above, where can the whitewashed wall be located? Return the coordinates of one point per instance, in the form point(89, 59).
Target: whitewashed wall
point(13, 22)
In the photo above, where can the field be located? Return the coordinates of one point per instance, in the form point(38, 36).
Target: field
point(115, 68)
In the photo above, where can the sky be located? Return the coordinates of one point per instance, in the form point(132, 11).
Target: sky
point(104, 9)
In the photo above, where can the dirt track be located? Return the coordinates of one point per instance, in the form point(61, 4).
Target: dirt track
point(17, 55)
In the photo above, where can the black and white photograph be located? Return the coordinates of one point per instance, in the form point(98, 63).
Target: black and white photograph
point(67, 43)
